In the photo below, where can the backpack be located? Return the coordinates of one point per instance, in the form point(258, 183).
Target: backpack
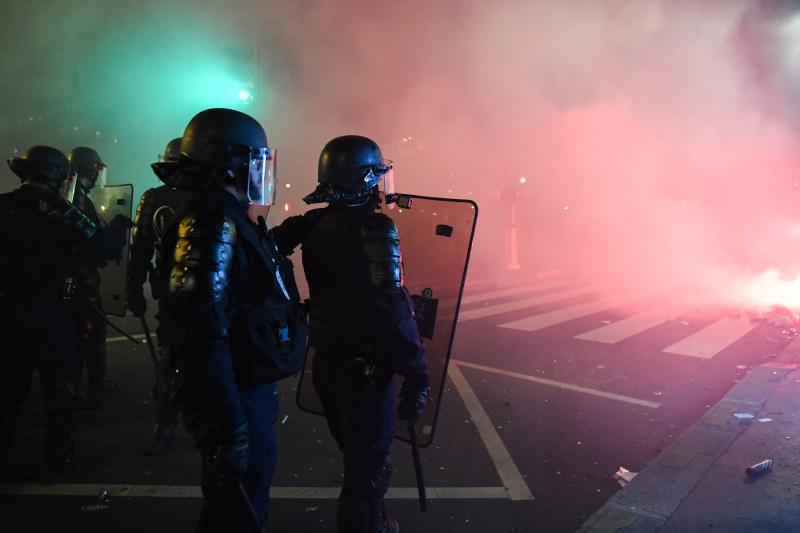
point(280, 323)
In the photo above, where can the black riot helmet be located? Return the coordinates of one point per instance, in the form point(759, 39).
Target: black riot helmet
point(172, 151)
point(350, 168)
point(88, 165)
point(43, 164)
point(227, 147)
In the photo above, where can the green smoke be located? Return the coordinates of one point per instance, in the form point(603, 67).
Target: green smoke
point(122, 82)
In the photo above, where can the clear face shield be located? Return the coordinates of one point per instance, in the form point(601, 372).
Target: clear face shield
point(261, 183)
point(101, 176)
point(94, 177)
point(67, 189)
point(386, 171)
point(261, 176)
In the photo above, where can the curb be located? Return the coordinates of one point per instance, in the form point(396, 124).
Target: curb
point(650, 499)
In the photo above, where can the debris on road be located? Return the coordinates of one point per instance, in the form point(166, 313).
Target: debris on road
point(743, 416)
point(101, 504)
point(624, 476)
point(683, 323)
point(94, 508)
point(764, 420)
point(759, 468)
point(312, 509)
point(780, 317)
point(789, 333)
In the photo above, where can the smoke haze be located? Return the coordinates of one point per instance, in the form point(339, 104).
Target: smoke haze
point(657, 137)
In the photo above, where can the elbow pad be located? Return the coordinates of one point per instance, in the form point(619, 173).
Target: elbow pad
point(203, 256)
point(382, 252)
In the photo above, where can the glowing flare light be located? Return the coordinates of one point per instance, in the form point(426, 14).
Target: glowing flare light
point(770, 288)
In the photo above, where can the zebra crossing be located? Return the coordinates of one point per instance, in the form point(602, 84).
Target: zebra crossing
point(485, 302)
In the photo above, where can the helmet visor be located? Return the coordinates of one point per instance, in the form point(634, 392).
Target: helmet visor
point(388, 181)
point(101, 176)
point(261, 176)
point(67, 189)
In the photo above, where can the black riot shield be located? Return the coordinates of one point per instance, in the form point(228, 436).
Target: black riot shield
point(111, 201)
point(436, 241)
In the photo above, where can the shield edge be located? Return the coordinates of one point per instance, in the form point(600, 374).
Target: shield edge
point(302, 372)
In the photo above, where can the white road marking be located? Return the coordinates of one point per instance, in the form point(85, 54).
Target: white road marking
point(522, 303)
point(561, 385)
point(278, 493)
point(551, 318)
point(120, 339)
point(712, 339)
point(499, 293)
point(635, 324)
point(510, 476)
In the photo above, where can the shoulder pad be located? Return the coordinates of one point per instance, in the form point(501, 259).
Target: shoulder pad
point(380, 225)
point(144, 210)
point(382, 251)
point(203, 255)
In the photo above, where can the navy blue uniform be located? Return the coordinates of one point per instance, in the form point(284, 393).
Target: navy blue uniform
point(221, 295)
point(156, 211)
point(38, 234)
point(363, 332)
point(90, 328)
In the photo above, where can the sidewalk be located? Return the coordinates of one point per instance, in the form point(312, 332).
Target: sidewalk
point(699, 482)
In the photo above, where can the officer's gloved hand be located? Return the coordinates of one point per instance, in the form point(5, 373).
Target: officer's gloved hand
point(119, 226)
point(412, 402)
point(136, 302)
point(233, 453)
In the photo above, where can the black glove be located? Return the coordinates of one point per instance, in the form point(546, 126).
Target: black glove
point(412, 403)
point(136, 302)
point(119, 226)
point(232, 455)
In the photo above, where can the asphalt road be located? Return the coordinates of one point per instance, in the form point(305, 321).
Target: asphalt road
point(534, 421)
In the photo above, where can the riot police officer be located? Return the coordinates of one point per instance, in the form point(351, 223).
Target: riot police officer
point(39, 229)
point(232, 308)
point(157, 208)
point(361, 322)
point(90, 325)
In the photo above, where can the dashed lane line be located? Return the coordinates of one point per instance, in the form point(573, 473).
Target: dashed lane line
point(635, 324)
point(522, 303)
point(476, 297)
point(714, 338)
point(561, 385)
point(557, 316)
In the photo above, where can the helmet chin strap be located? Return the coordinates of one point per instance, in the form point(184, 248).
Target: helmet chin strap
point(325, 193)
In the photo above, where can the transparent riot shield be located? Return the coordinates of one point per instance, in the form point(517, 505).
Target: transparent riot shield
point(110, 201)
point(436, 240)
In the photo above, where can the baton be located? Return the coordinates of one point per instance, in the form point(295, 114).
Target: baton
point(249, 506)
point(159, 381)
point(116, 328)
point(412, 438)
